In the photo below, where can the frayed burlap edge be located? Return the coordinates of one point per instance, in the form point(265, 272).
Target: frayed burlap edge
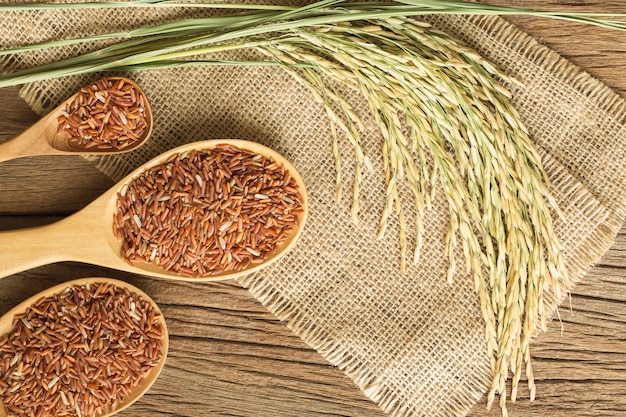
point(585, 254)
point(369, 383)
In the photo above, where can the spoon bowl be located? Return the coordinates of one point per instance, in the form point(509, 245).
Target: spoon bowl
point(46, 138)
point(6, 325)
point(88, 235)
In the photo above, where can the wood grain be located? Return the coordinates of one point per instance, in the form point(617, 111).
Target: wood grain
point(230, 357)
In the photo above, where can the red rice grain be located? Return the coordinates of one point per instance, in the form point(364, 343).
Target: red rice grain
point(108, 115)
point(205, 212)
point(79, 352)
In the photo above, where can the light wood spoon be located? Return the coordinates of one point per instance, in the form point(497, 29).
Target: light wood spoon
point(45, 138)
point(87, 236)
point(6, 325)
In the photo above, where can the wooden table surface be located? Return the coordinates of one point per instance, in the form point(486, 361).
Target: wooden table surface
point(230, 357)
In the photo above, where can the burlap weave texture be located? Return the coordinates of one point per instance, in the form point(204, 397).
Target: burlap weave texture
point(411, 342)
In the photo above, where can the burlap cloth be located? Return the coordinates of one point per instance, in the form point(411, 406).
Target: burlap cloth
point(411, 342)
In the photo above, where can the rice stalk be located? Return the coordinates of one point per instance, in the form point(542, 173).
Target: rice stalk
point(153, 44)
point(609, 20)
point(291, 55)
point(458, 117)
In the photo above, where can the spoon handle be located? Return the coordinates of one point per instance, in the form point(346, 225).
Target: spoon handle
point(85, 236)
point(31, 142)
point(75, 238)
point(24, 249)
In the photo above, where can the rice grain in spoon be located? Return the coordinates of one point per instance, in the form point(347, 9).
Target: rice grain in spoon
point(86, 348)
point(108, 117)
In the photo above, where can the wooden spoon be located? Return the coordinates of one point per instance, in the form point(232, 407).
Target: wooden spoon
point(6, 325)
point(87, 236)
point(45, 138)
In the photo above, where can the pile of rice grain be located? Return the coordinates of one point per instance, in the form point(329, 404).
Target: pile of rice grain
point(80, 352)
point(208, 211)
